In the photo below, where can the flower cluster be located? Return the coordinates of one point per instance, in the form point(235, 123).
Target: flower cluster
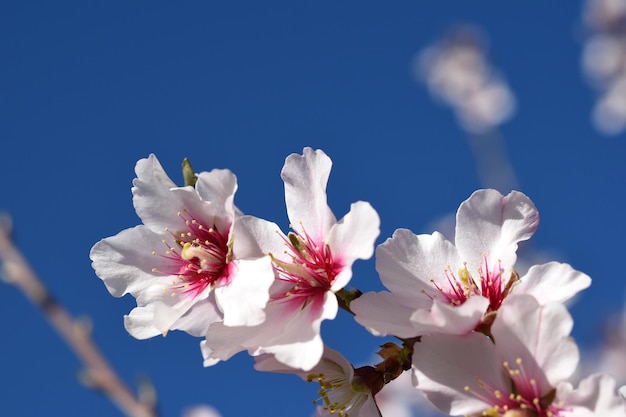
point(476, 337)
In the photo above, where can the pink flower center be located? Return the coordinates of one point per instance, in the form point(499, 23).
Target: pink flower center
point(488, 282)
point(310, 271)
point(200, 259)
point(525, 396)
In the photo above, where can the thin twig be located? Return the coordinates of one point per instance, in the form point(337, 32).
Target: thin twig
point(98, 373)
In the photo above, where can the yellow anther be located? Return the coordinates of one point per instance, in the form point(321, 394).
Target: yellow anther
point(464, 275)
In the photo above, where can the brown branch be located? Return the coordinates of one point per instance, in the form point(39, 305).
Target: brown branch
point(98, 373)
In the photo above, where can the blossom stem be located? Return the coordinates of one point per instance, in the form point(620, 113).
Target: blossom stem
point(98, 375)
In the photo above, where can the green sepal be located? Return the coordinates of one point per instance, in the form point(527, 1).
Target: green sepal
point(188, 175)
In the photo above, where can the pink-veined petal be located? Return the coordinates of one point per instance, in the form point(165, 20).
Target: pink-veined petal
point(539, 336)
point(444, 365)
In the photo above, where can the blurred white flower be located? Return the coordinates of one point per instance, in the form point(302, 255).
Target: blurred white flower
point(201, 411)
point(604, 62)
point(609, 356)
point(456, 71)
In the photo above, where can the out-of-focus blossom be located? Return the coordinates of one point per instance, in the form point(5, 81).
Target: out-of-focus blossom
point(439, 287)
point(522, 372)
point(343, 391)
point(456, 71)
point(604, 62)
point(311, 264)
point(183, 264)
point(201, 411)
point(609, 355)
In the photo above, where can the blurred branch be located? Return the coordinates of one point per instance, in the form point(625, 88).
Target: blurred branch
point(492, 163)
point(98, 374)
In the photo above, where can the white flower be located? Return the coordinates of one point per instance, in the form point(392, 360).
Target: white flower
point(439, 287)
point(183, 264)
point(344, 391)
point(311, 265)
point(522, 374)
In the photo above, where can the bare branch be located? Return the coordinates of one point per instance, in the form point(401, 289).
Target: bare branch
point(98, 373)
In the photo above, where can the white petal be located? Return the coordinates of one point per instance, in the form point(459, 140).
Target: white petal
point(489, 223)
point(125, 261)
point(293, 337)
point(244, 298)
point(381, 314)
point(140, 323)
point(552, 282)
point(223, 342)
point(595, 396)
point(305, 178)
point(369, 408)
point(199, 317)
point(447, 319)
point(407, 263)
point(539, 336)
point(219, 186)
point(352, 238)
point(156, 198)
point(166, 315)
point(445, 364)
point(256, 237)
point(300, 345)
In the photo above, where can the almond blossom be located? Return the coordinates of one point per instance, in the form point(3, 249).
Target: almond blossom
point(522, 372)
point(343, 391)
point(311, 264)
point(182, 264)
point(437, 286)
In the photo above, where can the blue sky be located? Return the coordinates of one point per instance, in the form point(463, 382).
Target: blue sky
point(88, 88)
